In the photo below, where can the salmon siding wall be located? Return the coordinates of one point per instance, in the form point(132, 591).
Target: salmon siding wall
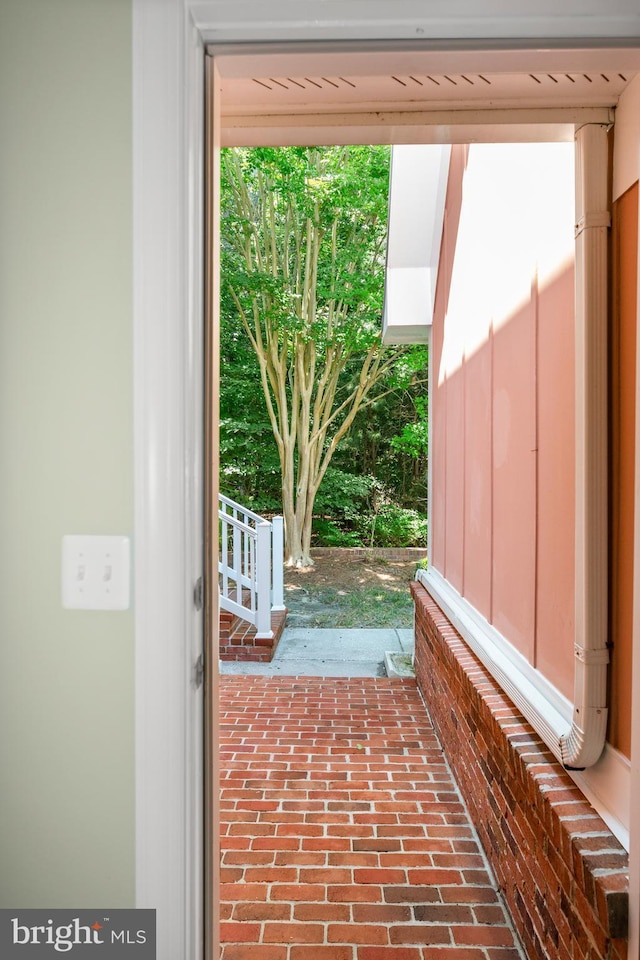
point(622, 476)
point(502, 397)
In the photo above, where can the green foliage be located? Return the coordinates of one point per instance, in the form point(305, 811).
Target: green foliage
point(276, 203)
point(249, 463)
point(249, 466)
point(389, 443)
point(394, 526)
point(414, 437)
point(303, 234)
point(359, 511)
point(344, 496)
point(327, 533)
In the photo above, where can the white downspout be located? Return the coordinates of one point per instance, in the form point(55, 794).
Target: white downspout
point(583, 744)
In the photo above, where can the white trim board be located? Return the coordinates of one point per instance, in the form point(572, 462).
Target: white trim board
point(168, 368)
point(232, 21)
point(607, 784)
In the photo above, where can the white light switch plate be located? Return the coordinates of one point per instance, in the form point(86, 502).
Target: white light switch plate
point(95, 572)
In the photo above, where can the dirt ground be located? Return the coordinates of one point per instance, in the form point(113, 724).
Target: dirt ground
point(353, 574)
point(350, 592)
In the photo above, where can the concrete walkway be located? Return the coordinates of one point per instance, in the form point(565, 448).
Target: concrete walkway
point(308, 652)
point(343, 835)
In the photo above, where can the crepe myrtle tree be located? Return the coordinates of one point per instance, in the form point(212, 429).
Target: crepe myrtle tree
point(303, 238)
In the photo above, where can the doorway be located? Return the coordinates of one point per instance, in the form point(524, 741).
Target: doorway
point(357, 97)
point(168, 59)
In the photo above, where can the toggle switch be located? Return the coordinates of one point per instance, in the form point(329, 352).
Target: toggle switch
point(96, 572)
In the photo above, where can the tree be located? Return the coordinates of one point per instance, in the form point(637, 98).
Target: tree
point(303, 244)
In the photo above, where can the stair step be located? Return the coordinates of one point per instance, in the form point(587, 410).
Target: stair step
point(238, 638)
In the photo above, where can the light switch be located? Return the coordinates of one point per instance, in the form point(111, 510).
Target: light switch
point(96, 572)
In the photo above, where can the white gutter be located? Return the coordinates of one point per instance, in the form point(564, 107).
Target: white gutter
point(583, 744)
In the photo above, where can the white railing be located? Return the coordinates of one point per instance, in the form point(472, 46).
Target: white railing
point(251, 565)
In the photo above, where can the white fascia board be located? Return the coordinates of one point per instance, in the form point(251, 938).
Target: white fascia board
point(417, 194)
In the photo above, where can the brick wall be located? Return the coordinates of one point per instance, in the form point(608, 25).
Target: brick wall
point(562, 872)
point(369, 553)
point(238, 641)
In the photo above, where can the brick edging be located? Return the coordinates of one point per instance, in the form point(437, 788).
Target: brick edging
point(563, 873)
point(369, 553)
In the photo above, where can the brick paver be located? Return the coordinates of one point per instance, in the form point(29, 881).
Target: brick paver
point(343, 834)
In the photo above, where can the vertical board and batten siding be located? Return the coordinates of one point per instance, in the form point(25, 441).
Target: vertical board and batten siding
point(622, 476)
point(513, 558)
point(556, 458)
point(438, 389)
point(624, 303)
point(503, 398)
point(478, 491)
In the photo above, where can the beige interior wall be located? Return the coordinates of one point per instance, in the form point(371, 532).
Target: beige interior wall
point(66, 678)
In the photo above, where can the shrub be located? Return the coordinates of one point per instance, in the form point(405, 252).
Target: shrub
point(328, 534)
point(393, 526)
point(344, 496)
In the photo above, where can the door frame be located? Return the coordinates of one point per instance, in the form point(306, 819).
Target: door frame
point(169, 37)
point(168, 350)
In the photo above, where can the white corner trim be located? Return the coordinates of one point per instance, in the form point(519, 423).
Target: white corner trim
point(606, 785)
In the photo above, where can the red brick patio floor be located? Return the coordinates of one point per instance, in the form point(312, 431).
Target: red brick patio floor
point(343, 834)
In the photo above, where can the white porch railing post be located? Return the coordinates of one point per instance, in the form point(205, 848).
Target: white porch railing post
point(251, 565)
point(277, 563)
point(224, 540)
point(263, 578)
point(238, 537)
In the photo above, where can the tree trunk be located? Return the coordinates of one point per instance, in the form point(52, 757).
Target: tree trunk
point(298, 509)
point(297, 540)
